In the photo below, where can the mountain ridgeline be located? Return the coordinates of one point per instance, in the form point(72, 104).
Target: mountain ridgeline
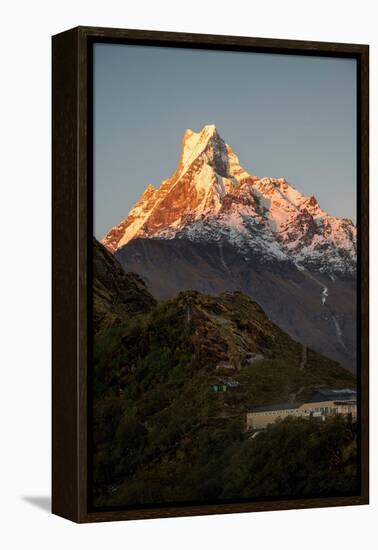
point(161, 435)
point(117, 295)
point(213, 227)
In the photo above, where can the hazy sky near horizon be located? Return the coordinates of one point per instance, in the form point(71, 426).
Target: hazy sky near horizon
point(284, 116)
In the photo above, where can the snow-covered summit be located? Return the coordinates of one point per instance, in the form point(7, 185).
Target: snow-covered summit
point(210, 197)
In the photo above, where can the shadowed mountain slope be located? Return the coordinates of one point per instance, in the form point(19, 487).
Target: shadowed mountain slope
point(162, 435)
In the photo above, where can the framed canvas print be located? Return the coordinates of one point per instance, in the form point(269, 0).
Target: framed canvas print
point(210, 274)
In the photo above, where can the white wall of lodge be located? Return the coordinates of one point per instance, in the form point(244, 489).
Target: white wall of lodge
point(261, 419)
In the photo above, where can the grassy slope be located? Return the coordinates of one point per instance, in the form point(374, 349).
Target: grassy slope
point(162, 435)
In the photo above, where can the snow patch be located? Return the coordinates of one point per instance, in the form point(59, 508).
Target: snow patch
point(324, 295)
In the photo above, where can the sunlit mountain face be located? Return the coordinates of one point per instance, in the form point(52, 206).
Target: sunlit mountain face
point(211, 197)
point(213, 227)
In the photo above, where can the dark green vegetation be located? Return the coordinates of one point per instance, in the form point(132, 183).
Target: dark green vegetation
point(161, 434)
point(117, 295)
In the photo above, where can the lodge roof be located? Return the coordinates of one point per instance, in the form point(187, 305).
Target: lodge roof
point(318, 396)
point(275, 407)
point(333, 395)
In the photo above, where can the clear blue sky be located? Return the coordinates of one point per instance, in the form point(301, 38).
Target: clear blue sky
point(284, 116)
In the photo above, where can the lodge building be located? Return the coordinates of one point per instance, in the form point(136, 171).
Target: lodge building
point(323, 403)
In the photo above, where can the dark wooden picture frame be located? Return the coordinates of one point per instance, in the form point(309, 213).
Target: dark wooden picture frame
point(72, 218)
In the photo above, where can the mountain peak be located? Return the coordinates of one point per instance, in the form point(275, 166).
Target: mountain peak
point(207, 130)
point(194, 143)
point(211, 197)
